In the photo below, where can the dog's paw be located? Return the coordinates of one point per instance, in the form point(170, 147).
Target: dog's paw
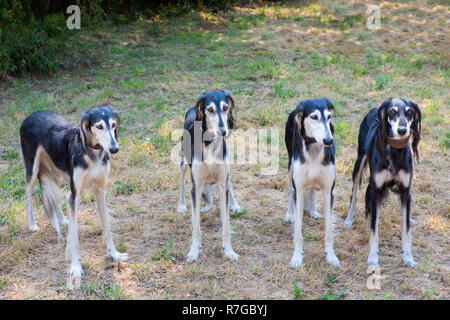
point(34, 227)
point(348, 223)
point(372, 260)
point(333, 260)
point(206, 208)
point(314, 214)
point(229, 253)
point(64, 221)
point(117, 256)
point(289, 217)
point(236, 208)
point(192, 255)
point(181, 208)
point(296, 260)
point(408, 261)
point(74, 280)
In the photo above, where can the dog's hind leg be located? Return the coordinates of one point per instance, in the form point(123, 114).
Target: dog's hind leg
point(310, 204)
point(233, 204)
point(224, 215)
point(405, 200)
point(111, 251)
point(290, 211)
point(357, 172)
point(182, 201)
point(30, 181)
point(197, 189)
point(32, 167)
point(207, 196)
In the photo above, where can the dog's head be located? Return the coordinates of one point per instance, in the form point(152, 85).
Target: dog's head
point(314, 120)
point(99, 128)
point(215, 110)
point(398, 119)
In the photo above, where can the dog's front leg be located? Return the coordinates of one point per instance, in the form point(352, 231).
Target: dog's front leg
point(328, 212)
point(297, 257)
point(111, 251)
point(196, 192)
point(73, 245)
point(226, 233)
point(289, 217)
point(405, 200)
point(372, 207)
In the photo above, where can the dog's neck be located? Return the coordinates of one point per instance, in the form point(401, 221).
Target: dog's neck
point(397, 143)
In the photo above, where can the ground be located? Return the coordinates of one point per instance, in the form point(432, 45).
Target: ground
point(269, 57)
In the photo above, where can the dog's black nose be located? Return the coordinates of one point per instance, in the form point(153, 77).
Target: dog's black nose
point(113, 150)
point(222, 132)
point(401, 131)
point(327, 141)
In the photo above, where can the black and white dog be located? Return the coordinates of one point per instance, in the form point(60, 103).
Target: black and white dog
point(311, 150)
point(53, 149)
point(383, 145)
point(204, 149)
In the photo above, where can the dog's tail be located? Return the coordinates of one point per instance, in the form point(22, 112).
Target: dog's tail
point(50, 194)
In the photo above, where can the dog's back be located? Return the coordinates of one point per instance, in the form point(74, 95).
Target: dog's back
point(49, 130)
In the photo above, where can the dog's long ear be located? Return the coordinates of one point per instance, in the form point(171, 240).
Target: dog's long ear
point(416, 127)
point(199, 106)
point(381, 130)
point(298, 121)
point(231, 122)
point(330, 107)
point(116, 117)
point(85, 128)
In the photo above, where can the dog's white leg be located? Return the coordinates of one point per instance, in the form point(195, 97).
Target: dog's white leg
point(408, 259)
point(357, 172)
point(372, 260)
point(234, 206)
point(29, 200)
point(196, 193)
point(111, 251)
point(297, 257)
point(329, 219)
point(207, 196)
point(310, 204)
point(182, 202)
point(289, 217)
point(73, 245)
point(348, 222)
point(224, 215)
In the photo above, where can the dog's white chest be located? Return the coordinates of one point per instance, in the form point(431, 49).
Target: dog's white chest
point(312, 174)
point(385, 176)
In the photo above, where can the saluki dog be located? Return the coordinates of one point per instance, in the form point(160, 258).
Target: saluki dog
point(383, 145)
point(53, 149)
point(204, 149)
point(311, 150)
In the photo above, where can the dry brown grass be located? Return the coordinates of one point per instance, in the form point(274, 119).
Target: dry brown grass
point(145, 219)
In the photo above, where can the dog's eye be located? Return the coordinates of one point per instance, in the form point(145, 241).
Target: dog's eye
point(314, 117)
point(329, 117)
point(113, 125)
point(225, 108)
point(210, 109)
point(99, 127)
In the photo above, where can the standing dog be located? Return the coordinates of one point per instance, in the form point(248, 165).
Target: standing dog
point(383, 144)
point(54, 148)
point(204, 149)
point(311, 150)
